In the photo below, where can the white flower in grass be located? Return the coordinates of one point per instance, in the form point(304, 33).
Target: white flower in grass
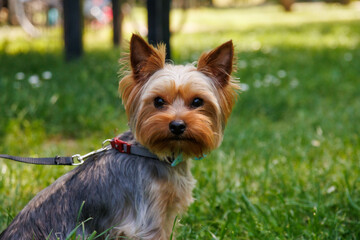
point(315, 210)
point(54, 98)
point(20, 76)
point(281, 73)
point(331, 189)
point(319, 131)
point(34, 81)
point(4, 169)
point(315, 143)
point(271, 80)
point(276, 81)
point(244, 87)
point(294, 83)
point(46, 75)
point(242, 64)
point(257, 84)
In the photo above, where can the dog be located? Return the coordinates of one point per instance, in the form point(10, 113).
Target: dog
point(175, 113)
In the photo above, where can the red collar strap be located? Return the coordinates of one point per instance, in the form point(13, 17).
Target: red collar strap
point(128, 148)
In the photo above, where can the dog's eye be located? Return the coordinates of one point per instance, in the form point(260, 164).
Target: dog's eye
point(159, 102)
point(197, 102)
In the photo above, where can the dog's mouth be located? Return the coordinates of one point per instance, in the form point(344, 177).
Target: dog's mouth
point(178, 141)
point(172, 146)
point(181, 139)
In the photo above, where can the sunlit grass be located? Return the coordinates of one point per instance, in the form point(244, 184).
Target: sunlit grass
point(289, 164)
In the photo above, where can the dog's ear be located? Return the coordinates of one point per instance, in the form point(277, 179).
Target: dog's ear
point(144, 58)
point(218, 63)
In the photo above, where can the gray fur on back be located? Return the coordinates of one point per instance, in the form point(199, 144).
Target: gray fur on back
point(113, 186)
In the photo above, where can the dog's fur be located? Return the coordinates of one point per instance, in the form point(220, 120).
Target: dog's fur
point(139, 197)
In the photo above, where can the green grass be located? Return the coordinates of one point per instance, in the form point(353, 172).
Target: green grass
point(289, 166)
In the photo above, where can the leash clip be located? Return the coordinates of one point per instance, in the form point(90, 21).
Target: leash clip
point(116, 143)
point(81, 159)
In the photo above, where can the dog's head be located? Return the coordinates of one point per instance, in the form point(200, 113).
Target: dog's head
point(176, 109)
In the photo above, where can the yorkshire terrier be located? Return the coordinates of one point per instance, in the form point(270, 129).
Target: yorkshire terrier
point(175, 113)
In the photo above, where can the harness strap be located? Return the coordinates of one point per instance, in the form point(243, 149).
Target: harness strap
point(43, 161)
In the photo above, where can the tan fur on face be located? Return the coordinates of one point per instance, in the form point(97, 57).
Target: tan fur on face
point(178, 86)
point(144, 61)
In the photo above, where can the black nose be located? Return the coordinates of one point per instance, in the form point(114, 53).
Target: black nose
point(177, 127)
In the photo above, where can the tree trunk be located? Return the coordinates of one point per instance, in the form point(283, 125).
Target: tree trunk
point(159, 23)
point(287, 4)
point(72, 29)
point(117, 22)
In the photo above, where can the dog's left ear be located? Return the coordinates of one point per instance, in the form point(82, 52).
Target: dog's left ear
point(218, 63)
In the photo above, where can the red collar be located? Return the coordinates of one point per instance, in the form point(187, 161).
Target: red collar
point(125, 147)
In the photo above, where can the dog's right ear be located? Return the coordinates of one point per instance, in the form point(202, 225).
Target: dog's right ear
point(145, 59)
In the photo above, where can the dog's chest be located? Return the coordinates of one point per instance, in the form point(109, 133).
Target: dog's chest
point(162, 200)
point(176, 193)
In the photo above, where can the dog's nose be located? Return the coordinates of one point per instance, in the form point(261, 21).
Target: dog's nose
point(177, 127)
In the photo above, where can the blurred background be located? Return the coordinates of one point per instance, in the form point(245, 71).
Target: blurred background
point(289, 165)
point(65, 22)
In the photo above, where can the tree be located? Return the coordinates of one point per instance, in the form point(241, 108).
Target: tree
point(159, 23)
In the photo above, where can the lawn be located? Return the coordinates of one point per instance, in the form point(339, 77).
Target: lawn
point(289, 166)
